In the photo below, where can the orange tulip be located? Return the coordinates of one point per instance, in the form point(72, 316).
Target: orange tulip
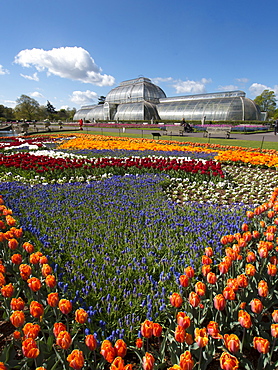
point(35, 258)
point(263, 251)
point(188, 339)
point(189, 271)
point(53, 299)
point(157, 329)
point(50, 281)
point(274, 330)
point(250, 269)
point(175, 367)
point(16, 259)
point(219, 302)
point(31, 330)
point(121, 348)
point(58, 327)
point(263, 288)
point(271, 269)
point(176, 300)
point(2, 366)
point(206, 270)
point(180, 334)
point(64, 340)
point(201, 337)
point(200, 288)
point(30, 348)
point(17, 304)
point(65, 306)
point(28, 247)
point(107, 351)
point(147, 328)
point(275, 315)
point(183, 279)
point(232, 283)
point(213, 330)
point(148, 361)
point(256, 305)
point(223, 267)
point(16, 336)
point(2, 279)
point(13, 244)
point(7, 291)
point(34, 284)
point(46, 270)
point(17, 318)
point(183, 320)
point(81, 316)
point(229, 293)
point(36, 309)
point(244, 319)
point(25, 271)
point(194, 299)
point(250, 257)
point(43, 260)
point(117, 364)
point(211, 278)
point(242, 280)
point(186, 361)
point(261, 344)
point(139, 343)
point(232, 342)
point(206, 260)
point(209, 251)
point(76, 359)
point(228, 362)
point(91, 342)
point(10, 220)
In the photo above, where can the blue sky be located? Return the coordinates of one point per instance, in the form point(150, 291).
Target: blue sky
point(71, 52)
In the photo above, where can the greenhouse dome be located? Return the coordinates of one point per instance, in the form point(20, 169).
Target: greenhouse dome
point(139, 99)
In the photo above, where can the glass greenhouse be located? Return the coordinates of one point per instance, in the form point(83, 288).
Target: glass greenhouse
point(139, 99)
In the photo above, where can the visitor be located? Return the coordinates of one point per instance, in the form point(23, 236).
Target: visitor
point(275, 127)
point(81, 124)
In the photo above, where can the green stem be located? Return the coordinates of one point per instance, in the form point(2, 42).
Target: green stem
point(272, 349)
point(200, 358)
point(243, 337)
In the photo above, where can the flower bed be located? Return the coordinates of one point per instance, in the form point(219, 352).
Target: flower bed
point(117, 249)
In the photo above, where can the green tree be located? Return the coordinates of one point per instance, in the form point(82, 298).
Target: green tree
point(50, 109)
point(267, 102)
point(27, 108)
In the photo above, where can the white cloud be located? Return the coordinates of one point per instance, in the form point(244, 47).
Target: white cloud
point(10, 103)
point(227, 88)
point(3, 71)
point(242, 80)
point(256, 89)
point(191, 87)
point(158, 80)
point(34, 77)
point(83, 97)
point(74, 63)
point(36, 94)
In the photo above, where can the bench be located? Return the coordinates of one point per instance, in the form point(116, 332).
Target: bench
point(175, 130)
point(156, 134)
point(218, 131)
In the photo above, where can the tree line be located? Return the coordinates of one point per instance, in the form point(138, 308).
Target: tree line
point(28, 109)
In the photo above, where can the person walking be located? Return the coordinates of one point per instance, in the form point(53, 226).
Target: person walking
point(81, 124)
point(275, 127)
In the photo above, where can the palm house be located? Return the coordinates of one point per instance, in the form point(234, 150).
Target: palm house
point(141, 100)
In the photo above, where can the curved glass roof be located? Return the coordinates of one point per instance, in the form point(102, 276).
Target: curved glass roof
point(133, 91)
point(136, 111)
point(215, 109)
point(140, 99)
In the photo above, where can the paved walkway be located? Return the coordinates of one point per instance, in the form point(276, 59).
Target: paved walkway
point(266, 136)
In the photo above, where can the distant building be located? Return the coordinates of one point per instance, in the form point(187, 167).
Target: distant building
point(141, 100)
